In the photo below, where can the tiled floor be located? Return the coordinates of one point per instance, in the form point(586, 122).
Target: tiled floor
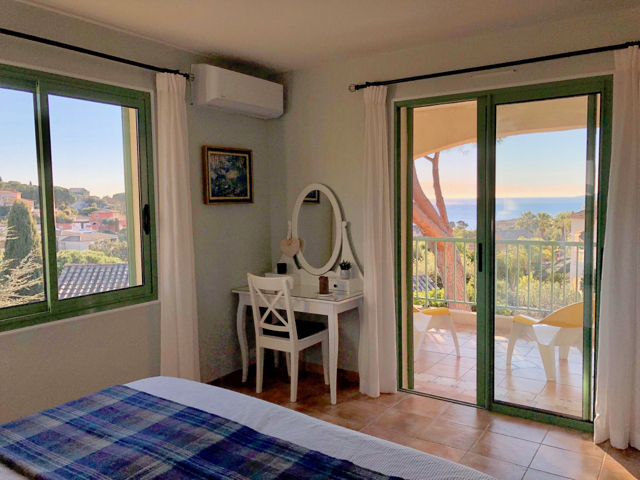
point(504, 447)
point(438, 371)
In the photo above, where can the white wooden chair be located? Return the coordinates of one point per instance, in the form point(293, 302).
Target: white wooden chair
point(283, 334)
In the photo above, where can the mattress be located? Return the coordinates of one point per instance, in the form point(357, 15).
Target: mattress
point(280, 422)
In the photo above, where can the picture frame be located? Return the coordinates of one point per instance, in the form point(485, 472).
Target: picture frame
point(312, 197)
point(227, 175)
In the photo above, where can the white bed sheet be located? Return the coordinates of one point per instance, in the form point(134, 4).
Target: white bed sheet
point(363, 450)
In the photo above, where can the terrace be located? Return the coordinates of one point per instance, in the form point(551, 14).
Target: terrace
point(533, 278)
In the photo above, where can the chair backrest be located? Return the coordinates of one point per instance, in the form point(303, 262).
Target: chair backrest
point(571, 316)
point(278, 291)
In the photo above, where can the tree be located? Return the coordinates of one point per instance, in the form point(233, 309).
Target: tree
point(544, 222)
point(62, 217)
point(83, 257)
point(435, 223)
point(563, 223)
point(23, 238)
point(527, 221)
point(112, 248)
point(63, 197)
point(22, 283)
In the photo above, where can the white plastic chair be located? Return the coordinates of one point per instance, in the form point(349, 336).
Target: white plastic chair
point(283, 334)
point(562, 328)
point(428, 318)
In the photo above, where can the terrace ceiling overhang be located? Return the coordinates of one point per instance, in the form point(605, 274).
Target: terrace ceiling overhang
point(440, 127)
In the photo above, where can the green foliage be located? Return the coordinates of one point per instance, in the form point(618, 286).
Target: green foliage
point(63, 197)
point(62, 217)
point(23, 237)
point(109, 221)
point(83, 257)
point(120, 198)
point(21, 282)
point(4, 211)
point(112, 248)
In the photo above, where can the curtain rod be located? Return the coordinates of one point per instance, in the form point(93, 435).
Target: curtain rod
point(86, 51)
point(354, 87)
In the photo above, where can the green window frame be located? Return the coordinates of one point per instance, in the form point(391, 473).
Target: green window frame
point(41, 85)
point(487, 101)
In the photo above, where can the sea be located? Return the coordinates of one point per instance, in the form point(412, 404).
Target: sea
point(465, 209)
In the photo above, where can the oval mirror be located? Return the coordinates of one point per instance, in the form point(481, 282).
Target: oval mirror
point(317, 221)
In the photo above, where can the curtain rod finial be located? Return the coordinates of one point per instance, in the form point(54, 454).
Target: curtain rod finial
point(352, 87)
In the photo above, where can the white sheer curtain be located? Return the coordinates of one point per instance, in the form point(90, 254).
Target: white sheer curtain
point(179, 319)
point(618, 391)
point(377, 351)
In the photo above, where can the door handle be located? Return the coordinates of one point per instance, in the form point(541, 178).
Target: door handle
point(146, 219)
point(479, 257)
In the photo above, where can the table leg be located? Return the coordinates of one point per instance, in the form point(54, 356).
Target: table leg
point(242, 337)
point(333, 356)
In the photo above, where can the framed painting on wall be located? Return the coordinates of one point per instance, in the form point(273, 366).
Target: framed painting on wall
point(312, 197)
point(227, 175)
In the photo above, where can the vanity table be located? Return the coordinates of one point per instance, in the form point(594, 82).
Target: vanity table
point(323, 233)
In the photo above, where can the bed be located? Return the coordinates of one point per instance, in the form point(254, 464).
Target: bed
point(333, 447)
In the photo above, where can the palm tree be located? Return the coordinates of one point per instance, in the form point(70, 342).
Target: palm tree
point(563, 222)
point(527, 221)
point(544, 221)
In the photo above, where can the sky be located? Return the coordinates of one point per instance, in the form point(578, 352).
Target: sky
point(549, 164)
point(86, 143)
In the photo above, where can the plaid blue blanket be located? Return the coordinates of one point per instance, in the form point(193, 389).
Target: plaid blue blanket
point(122, 433)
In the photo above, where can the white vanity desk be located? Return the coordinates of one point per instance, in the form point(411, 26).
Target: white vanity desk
point(305, 299)
point(345, 294)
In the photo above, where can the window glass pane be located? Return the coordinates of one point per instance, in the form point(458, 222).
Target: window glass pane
point(21, 264)
point(94, 149)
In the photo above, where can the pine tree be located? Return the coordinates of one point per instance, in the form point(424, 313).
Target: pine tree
point(23, 235)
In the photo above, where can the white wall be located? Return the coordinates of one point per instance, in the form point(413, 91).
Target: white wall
point(323, 128)
point(53, 363)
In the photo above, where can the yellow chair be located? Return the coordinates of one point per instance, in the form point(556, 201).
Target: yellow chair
point(428, 318)
point(562, 328)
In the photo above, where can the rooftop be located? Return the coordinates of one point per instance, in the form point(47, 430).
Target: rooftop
point(76, 280)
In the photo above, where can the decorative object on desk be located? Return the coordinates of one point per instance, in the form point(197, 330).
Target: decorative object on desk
point(290, 246)
point(281, 268)
point(323, 285)
point(345, 269)
point(312, 197)
point(227, 175)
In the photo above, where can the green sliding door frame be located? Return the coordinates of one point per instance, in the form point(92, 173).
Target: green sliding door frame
point(487, 102)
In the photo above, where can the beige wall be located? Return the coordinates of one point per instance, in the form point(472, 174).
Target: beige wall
point(323, 128)
point(54, 363)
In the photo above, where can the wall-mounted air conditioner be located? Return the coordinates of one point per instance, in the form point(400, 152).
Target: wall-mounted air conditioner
point(236, 93)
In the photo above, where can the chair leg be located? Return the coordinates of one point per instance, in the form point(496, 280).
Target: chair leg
point(548, 355)
point(454, 334)
point(259, 369)
point(288, 359)
point(516, 331)
point(325, 361)
point(294, 375)
point(564, 352)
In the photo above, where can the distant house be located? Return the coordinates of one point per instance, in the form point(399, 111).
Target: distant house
point(74, 240)
point(76, 280)
point(513, 234)
point(576, 271)
point(8, 198)
point(106, 214)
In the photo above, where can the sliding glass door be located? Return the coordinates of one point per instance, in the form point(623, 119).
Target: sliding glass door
point(498, 212)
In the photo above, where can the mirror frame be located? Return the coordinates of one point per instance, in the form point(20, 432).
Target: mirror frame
point(337, 213)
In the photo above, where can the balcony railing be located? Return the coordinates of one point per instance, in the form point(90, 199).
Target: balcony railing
point(534, 277)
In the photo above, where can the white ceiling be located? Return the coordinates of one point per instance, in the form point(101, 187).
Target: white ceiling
point(292, 34)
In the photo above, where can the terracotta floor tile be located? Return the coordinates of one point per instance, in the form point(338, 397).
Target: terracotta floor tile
point(437, 347)
point(421, 366)
point(438, 450)
point(523, 384)
point(431, 357)
point(613, 470)
point(470, 416)
point(321, 403)
point(360, 412)
point(451, 434)
point(519, 428)
point(385, 399)
point(454, 361)
point(343, 422)
point(447, 371)
point(442, 390)
point(468, 352)
point(566, 463)
point(574, 441)
point(383, 433)
point(429, 407)
point(565, 392)
point(538, 475)
point(623, 460)
point(495, 468)
point(506, 449)
point(403, 422)
point(530, 373)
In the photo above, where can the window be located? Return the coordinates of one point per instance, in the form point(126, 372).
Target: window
point(76, 198)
